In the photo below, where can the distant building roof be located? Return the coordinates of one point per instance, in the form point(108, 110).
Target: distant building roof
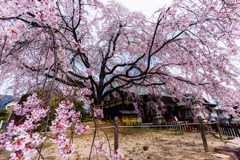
point(10, 101)
point(145, 91)
point(209, 104)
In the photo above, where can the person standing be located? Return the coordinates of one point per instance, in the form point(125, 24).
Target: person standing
point(230, 120)
point(233, 125)
point(212, 116)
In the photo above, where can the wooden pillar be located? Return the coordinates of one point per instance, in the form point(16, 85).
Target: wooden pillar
point(122, 99)
point(202, 128)
point(114, 109)
point(116, 133)
point(219, 129)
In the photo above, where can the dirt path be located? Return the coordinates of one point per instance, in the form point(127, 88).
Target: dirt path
point(162, 144)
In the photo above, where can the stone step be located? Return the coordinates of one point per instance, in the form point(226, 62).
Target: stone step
point(234, 153)
point(222, 156)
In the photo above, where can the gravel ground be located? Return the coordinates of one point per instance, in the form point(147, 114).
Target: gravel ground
point(162, 144)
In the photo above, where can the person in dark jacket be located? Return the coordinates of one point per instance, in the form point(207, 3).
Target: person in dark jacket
point(230, 120)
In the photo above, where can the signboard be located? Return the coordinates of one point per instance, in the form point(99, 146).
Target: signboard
point(139, 119)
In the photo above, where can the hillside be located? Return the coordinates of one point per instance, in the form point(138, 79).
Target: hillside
point(5, 98)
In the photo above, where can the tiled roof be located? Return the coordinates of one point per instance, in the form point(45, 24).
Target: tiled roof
point(128, 112)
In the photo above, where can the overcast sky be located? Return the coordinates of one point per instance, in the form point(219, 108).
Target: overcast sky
point(148, 7)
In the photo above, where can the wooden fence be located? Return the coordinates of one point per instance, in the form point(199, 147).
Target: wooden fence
point(230, 129)
point(184, 125)
point(226, 128)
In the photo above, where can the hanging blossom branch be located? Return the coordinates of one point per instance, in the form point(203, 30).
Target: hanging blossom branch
point(25, 136)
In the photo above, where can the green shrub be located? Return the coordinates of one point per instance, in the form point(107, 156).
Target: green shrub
point(87, 119)
point(3, 114)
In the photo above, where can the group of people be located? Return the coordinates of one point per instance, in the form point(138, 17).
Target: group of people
point(212, 117)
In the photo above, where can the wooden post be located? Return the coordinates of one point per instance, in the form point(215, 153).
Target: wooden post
point(116, 133)
point(219, 129)
point(202, 128)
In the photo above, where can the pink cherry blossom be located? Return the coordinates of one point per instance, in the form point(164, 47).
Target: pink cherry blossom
point(89, 71)
point(98, 110)
point(67, 90)
point(62, 51)
point(88, 84)
point(89, 101)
